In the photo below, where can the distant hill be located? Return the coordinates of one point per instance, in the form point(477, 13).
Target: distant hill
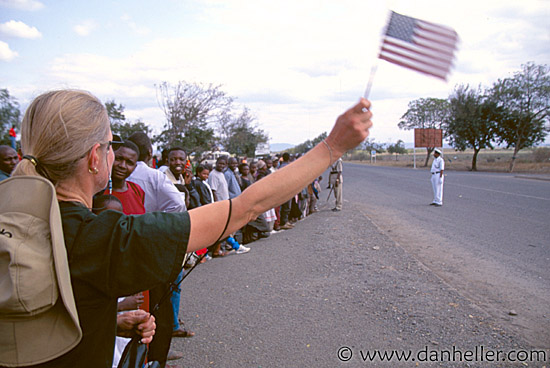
point(277, 147)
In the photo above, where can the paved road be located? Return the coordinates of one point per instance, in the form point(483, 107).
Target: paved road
point(340, 280)
point(490, 240)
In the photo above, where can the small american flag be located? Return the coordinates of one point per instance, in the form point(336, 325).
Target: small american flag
point(422, 46)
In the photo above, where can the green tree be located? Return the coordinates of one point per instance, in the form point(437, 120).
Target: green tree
point(240, 135)
point(425, 113)
point(119, 124)
point(116, 113)
point(472, 121)
point(9, 115)
point(525, 108)
point(191, 110)
point(371, 145)
point(127, 128)
point(308, 144)
point(398, 148)
point(195, 140)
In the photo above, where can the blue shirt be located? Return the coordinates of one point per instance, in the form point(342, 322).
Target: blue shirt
point(3, 175)
point(232, 183)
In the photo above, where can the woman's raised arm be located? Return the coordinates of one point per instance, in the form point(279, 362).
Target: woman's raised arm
point(207, 222)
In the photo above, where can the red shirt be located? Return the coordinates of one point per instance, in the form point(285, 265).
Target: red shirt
point(12, 132)
point(132, 204)
point(132, 199)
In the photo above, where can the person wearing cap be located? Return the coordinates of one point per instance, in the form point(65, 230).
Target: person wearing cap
point(67, 145)
point(438, 167)
point(262, 170)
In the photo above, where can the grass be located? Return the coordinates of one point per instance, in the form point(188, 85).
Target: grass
point(532, 161)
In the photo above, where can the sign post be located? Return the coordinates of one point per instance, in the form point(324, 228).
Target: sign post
point(429, 138)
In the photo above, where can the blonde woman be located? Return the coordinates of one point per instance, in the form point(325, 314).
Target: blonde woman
point(66, 138)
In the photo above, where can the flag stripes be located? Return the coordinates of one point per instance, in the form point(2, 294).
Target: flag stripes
point(418, 45)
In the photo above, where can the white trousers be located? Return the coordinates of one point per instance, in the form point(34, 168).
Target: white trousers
point(437, 186)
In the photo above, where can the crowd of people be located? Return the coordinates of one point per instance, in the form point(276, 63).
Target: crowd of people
point(136, 251)
point(177, 185)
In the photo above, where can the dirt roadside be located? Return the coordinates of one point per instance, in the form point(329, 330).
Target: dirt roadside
point(458, 268)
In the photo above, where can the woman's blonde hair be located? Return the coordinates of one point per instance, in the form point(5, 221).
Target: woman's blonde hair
point(58, 130)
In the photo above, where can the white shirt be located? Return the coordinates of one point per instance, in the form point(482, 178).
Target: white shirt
point(170, 175)
point(160, 193)
point(173, 178)
point(438, 165)
point(219, 185)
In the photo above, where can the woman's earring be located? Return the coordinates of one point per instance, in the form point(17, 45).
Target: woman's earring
point(93, 171)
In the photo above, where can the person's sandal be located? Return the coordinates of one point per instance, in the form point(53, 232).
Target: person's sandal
point(181, 332)
point(219, 254)
point(174, 355)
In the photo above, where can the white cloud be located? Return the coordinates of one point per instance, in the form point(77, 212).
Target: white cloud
point(297, 65)
point(19, 29)
point(141, 30)
point(29, 5)
point(6, 54)
point(85, 28)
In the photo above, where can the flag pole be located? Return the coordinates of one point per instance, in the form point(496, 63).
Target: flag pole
point(375, 66)
point(371, 79)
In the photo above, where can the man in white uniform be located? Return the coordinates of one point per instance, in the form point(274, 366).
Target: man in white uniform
point(438, 166)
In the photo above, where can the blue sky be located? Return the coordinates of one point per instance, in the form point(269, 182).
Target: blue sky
point(296, 64)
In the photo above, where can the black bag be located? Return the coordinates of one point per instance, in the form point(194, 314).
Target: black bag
point(134, 355)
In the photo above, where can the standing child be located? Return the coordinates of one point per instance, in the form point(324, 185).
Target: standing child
point(206, 196)
point(105, 202)
point(201, 185)
point(313, 191)
point(317, 186)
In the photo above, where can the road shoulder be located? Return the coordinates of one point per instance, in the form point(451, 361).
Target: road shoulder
point(333, 281)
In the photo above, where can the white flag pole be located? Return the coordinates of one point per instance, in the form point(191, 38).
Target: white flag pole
point(371, 79)
point(375, 66)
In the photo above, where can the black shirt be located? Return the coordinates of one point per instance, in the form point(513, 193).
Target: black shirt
point(113, 255)
point(204, 193)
